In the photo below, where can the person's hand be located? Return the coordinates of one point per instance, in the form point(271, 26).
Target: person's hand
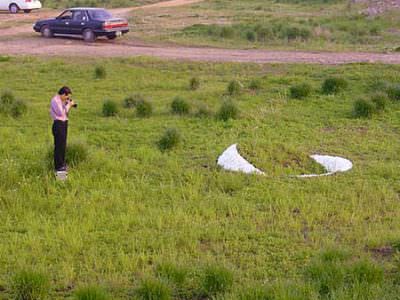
point(71, 103)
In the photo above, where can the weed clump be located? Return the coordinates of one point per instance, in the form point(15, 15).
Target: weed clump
point(100, 72)
point(333, 85)
point(144, 109)
point(152, 289)
point(234, 88)
point(9, 105)
point(393, 92)
point(30, 285)
point(216, 281)
point(179, 106)
point(110, 108)
point(91, 293)
point(169, 140)
point(363, 108)
point(300, 91)
point(255, 84)
point(131, 100)
point(194, 83)
point(228, 110)
point(380, 100)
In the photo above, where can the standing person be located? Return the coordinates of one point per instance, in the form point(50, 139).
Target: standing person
point(59, 108)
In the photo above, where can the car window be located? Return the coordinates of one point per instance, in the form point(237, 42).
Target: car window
point(66, 15)
point(79, 15)
point(99, 14)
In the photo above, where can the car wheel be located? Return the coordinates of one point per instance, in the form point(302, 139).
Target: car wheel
point(27, 11)
point(13, 8)
point(46, 31)
point(112, 36)
point(89, 36)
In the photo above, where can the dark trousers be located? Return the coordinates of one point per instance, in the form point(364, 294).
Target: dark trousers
point(60, 130)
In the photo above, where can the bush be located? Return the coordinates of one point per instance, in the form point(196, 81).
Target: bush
point(132, 100)
point(30, 285)
point(180, 106)
point(169, 140)
point(255, 84)
point(234, 88)
point(363, 108)
point(333, 85)
point(380, 100)
point(216, 280)
point(110, 108)
point(300, 91)
point(194, 83)
point(152, 289)
point(18, 108)
point(91, 293)
point(100, 72)
point(393, 92)
point(228, 110)
point(144, 109)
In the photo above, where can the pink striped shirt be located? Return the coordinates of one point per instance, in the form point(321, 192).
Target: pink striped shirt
point(59, 110)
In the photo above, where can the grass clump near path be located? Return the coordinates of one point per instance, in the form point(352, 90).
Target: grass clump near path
point(300, 91)
point(91, 293)
point(170, 139)
point(30, 285)
point(234, 88)
point(194, 83)
point(363, 108)
point(180, 106)
point(228, 110)
point(100, 72)
point(110, 108)
point(333, 85)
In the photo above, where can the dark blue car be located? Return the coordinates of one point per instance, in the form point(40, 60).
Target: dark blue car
point(89, 23)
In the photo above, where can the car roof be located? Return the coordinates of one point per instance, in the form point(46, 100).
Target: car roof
point(86, 8)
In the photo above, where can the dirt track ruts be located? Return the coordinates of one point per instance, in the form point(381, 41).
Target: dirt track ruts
point(35, 45)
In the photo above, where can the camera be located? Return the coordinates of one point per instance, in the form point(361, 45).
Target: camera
point(75, 105)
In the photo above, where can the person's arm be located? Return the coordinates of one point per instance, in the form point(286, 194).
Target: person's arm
point(57, 110)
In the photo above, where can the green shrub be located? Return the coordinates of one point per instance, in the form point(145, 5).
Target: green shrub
point(234, 88)
point(216, 281)
point(169, 140)
point(131, 100)
point(228, 110)
point(251, 36)
point(18, 108)
point(180, 106)
point(30, 285)
point(144, 109)
point(255, 84)
point(100, 72)
point(300, 91)
point(194, 83)
point(110, 108)
point(380, 100)
point(393, 92)
point(152, 289)
point(91, 293)
point(363, 108)
point(333, 85)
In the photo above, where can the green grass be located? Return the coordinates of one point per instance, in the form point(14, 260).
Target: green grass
point(95, 3)
point(293, 25)
point(129, 207)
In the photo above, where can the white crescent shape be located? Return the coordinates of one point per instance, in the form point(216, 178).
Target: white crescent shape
point(231, 160)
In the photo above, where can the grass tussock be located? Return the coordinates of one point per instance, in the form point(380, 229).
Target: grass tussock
point(153, 289)
point(227, 111)
point(11, 106)
point(170, 139)
point(144, 109)
point(132, 100)
point(180, 106)
point(91, 293)
point(30, 285)
point(333, 85)
point(234, 88)
point(110, 108)
point(300, 91)
point(100, 72)
point(216, 281)
point(194, 83)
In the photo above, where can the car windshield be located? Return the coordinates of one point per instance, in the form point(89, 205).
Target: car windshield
point(99, 14)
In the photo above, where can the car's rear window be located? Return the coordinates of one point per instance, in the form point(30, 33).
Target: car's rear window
point(99, 14)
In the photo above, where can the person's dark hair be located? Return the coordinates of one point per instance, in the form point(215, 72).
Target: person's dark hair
point(65, 91)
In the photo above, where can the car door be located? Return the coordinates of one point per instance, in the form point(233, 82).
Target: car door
point(79, 21)
point(61, 24)
point(4, 4)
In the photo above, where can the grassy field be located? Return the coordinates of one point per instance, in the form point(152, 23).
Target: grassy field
point(131, 215)
point(310, 25)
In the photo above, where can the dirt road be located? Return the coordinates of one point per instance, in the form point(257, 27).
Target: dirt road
point(22, 41)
